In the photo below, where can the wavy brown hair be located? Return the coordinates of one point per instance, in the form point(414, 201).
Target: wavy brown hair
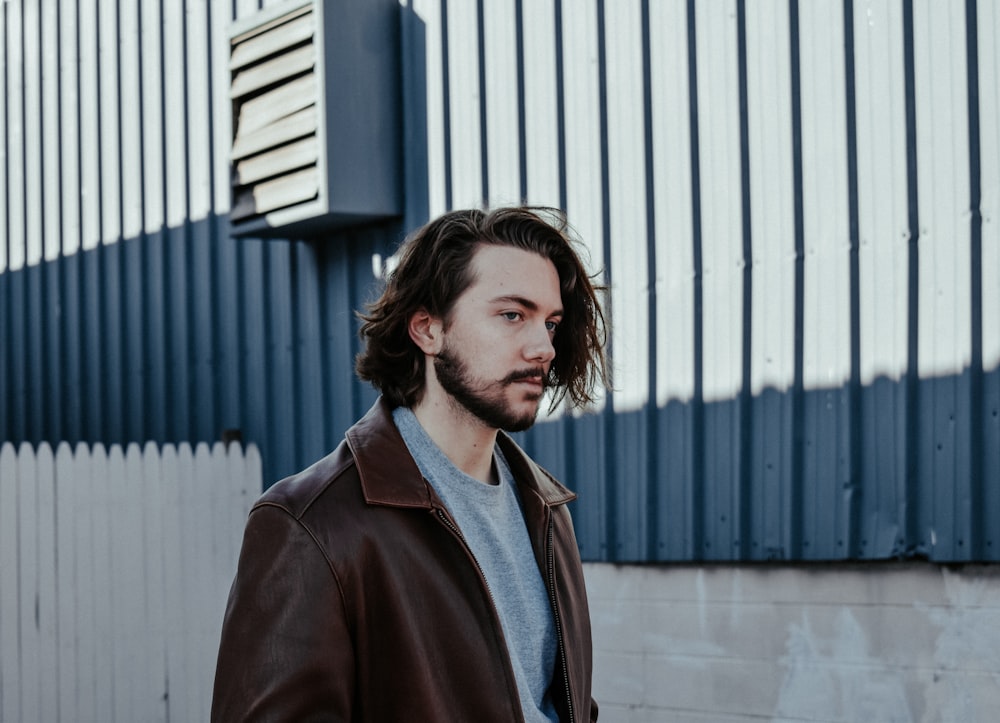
point(435, 268)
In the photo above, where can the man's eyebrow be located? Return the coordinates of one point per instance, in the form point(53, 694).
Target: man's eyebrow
point(522, 301)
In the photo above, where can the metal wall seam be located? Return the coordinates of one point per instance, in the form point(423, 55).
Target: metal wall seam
point(987, 96)
point(651, 427)
point(845, 540)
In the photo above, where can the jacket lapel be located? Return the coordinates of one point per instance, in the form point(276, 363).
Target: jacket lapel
point(388, 474)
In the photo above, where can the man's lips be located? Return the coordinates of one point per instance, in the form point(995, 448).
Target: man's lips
point(531, 381)
point(532, 377)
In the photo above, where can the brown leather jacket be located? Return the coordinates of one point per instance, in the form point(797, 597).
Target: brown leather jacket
point(356, 598)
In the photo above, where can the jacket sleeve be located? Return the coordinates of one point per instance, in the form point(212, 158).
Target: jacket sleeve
point(286, 651)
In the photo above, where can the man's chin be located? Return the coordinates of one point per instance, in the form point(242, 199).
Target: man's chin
point(520, 425)
point(515, 413)
point(523, 421)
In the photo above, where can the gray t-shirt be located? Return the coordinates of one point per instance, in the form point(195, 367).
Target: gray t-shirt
point(492, 523)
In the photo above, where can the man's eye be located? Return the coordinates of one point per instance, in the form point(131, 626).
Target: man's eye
point(552, 325)
point(511, 315)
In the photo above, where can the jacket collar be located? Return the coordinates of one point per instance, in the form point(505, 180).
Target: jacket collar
point(389, 476)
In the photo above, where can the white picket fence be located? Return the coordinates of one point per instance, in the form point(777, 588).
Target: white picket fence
point(114, 570)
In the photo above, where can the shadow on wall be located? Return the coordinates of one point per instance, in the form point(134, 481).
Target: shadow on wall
point(186, 334)
point(887, 471)
point(189, 335)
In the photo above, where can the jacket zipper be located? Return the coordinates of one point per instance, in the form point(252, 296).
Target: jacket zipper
point(489, 591)
point(454, 528)
point(551, 564)
point(551, 555)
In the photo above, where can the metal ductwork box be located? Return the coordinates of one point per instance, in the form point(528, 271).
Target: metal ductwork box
point(317, 130)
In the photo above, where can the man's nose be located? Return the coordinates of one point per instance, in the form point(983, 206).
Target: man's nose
point(540, 347)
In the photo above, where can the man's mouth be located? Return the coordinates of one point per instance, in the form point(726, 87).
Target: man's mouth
point(534, 377)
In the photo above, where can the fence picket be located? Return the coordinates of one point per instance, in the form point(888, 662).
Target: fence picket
point(189, 549)
point(106, 689)
point(118, 512)
point(203, 647)
point(10, 695)
point(173, 538)
point(45, 595)
point(220, 488)
point(153, 531)
point(131, 586)
point(86, 659)
point(27, 540)
point(65, 532)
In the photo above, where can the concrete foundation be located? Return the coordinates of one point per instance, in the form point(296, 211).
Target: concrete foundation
point(878, 642)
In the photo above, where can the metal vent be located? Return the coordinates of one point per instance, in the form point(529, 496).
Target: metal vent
point(274, 91)
point(316, 124)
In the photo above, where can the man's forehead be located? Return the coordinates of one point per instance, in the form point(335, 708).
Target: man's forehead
point(506, 273)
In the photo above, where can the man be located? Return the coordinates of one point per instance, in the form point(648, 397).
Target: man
point(427, 569)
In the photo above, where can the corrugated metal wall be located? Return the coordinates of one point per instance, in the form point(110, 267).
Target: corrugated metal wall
point(795, 203)
point(127, 312)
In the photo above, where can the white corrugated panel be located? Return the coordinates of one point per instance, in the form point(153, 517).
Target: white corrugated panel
point(50, 120)
point(721, 204)
point(221, 108)
point(35, 200)
point(502, 143)
point(153, 162)
point(90, 139)
point(989, 106)
point(825, 185)
point(584, 202)
point(627, 204)
point(175, 103)
point(199, 121)
point(132, 174)
point(672, 175)
point(540, 103)
point(4, 152)
point(944, 336)
point(110, 99)
point(882, 188)
point(429, 12)
point(463, 103)
point(772, 195)
point(15, 140)
point(69, 172)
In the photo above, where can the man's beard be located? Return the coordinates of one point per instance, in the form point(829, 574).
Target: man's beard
point(487, 403)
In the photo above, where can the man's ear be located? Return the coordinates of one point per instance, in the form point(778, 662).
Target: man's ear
point(425, 330)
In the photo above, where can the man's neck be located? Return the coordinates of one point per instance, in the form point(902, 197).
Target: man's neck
point(463, 438)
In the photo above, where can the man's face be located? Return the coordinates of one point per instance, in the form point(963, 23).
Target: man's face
point(497, 345)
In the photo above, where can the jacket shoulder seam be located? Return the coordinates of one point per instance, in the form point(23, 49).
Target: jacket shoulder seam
point(300, 523)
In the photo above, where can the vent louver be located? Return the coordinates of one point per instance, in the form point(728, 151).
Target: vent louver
point(274, 89)
point(299, 168)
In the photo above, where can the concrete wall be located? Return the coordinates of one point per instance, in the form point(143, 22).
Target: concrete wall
point(878, 642)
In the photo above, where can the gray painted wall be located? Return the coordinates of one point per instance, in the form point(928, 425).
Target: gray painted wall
point(909, 642)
